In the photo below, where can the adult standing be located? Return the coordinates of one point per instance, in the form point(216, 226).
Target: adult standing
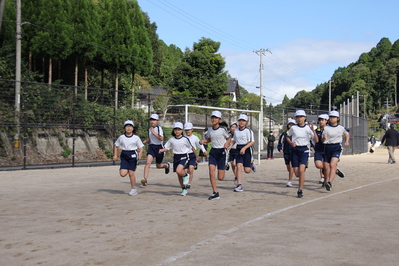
point(391, 139)
point(270, 145)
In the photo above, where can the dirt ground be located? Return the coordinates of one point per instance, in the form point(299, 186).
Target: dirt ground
point(83, 216)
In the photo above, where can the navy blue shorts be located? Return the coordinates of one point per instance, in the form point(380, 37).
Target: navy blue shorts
point(153, 150)
point(332, 151)
point(218, 157)
point(180, 159)
point(232, 154)
point(318, 155)
point(192, 159)
point(287, 158)
point(299, 155)
point(128, 160)
point(245, 158)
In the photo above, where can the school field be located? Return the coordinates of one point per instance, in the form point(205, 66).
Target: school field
point(83, 216)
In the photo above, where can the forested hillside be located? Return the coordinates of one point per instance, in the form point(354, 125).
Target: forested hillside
point(374, 74)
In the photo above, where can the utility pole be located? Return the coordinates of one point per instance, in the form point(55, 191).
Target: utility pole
point(329, 95)
point(18, 74)
point(396, 92)
point(261, 53)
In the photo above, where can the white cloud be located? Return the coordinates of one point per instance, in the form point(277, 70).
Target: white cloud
point(297, 65)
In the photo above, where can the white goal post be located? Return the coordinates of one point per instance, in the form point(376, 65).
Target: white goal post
point(186, 107)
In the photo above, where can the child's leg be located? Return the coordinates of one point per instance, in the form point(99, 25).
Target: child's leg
point(212, 177)
point(333, 169)
point(123, 172)
point(239, 172)
point(301, 171)
point(190, 171)
point(147, 165)
point(221, 174)
point(327, 172)
point(132, 178)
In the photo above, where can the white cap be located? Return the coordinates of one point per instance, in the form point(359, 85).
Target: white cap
point(188, 126)
point(242, 117)
point(218, 114)
point(233, 123)
point(300, 113)
point(128, 122)
point(178, 125)
point(334, 113)
point(291, 121)
point(154, 116)
point(324, 116)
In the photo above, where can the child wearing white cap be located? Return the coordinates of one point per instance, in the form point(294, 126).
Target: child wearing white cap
point(181, 146)
point(285, 148)
point(299, 137)
point(129, 142)
point(220, 139)
point(244, 137)
point(155, 138)
point(332, 139)
point(194, 140)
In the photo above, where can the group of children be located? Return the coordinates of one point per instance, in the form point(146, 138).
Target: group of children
point(301, 137)
point(234, 146)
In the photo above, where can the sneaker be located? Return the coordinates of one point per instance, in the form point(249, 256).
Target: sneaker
point(300, 194)
point(144, 182)
point(195, 166)
point(215, 195)
point(183, 192)
point(340, 173)
point(321, 181)
point(133, 192)
point(167, 169)
point(238, 188)
point(227, 167)
point(323, 185)
point(185, 179)
point(393, 162)
point(289, 184)
point(188, 186)
point(253, 167)
point(328, 186)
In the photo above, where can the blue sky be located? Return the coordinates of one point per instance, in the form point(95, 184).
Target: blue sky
point(308, 39)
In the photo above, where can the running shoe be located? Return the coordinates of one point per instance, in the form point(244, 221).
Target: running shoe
point(167, 169)
point(133, 192)
point(227, 167)
point(185, 179)
point(323, 185)
point(144, 182)
point(183, 192)
point(188, 186)
point(321, 181)
point(289, 184)
point(340, 173)
point(328, 186)
point(393, 162)
point(238, 188)
point(195, 166)
point(253, 167)
point(300, 194)
point(214, 196)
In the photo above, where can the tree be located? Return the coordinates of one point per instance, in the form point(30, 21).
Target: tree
point(201, 74)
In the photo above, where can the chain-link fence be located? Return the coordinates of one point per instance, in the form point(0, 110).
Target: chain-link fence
point(74, 125)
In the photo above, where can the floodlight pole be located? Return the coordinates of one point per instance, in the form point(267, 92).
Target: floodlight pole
point(17, 73)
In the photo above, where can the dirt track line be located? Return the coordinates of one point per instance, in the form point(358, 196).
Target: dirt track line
point(231, 230)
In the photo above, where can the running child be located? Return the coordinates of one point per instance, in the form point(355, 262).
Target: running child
point(155, 138)
point(299, 137)
point(319, 146)
point(129, 142)
point(194, 140)
point(332, 138)
point(181, 146)
point(220, 139)
point(285, 148)
point(233, 151)
point(244, 138)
